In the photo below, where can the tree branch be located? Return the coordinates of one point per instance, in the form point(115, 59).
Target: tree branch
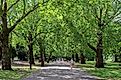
point(23, 16)
point(94, 13)
point(13, 4)
point(93, 48)
point(37, 35)
point(19, 35)
point(34, 38)
point(36, 24)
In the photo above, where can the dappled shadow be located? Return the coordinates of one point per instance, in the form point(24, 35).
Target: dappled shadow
point(61, 74)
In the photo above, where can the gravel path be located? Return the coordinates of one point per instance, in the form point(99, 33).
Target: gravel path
point(60, 73)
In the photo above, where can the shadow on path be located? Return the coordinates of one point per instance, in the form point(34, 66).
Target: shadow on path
point(60, 73)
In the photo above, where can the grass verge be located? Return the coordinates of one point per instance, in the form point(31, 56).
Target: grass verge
point(16, 74)
point(112, 71)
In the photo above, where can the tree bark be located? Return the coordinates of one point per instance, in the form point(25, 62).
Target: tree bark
point(42, 51)
point(42, 59)
point(30, 46)
point(82, 59)
point(32, 56)
point(115, 58)
point(73, 57)
point(99, 51)
point(42, 55)
point(99, 56)
point(77, 58)
point(6, 57)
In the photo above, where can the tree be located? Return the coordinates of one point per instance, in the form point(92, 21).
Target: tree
point(21, 52)
point(77, 58)
point(97, 13)
point(6, 30)
point(42, 50)
point(29, 32)
point(82, 58)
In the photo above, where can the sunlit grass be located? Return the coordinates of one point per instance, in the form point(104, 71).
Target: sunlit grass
point(16, 74)
point(112, 71)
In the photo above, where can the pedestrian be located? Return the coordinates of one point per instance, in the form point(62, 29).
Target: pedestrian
point(72, 64)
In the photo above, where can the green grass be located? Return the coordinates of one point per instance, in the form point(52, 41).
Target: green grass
point(16, 74)
point(112, 71)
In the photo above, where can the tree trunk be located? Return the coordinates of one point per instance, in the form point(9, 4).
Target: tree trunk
point(6, 57)
point(31, 54)
point(42, 58)
point(30, 46)
point(42, 51)
point(115, 58)
point(82, 59)
point(77, 58)
point(99, 48)
point(99, 52)
point(73, 57)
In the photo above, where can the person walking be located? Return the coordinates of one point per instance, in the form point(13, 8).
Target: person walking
point(72, 64)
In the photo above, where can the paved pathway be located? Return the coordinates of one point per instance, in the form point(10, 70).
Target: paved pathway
point(60, 73)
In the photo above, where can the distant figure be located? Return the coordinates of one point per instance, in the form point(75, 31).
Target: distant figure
point(72, 64)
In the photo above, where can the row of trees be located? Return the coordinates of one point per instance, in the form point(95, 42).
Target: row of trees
point(60, 28)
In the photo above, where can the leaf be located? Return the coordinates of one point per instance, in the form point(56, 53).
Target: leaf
point(119, 43)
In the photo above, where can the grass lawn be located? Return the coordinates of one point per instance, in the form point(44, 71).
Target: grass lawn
point(16, 74)
point(112, 71)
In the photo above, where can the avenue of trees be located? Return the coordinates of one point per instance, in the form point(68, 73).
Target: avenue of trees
point(49, 29)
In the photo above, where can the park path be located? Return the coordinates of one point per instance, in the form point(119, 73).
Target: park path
point(60, 71)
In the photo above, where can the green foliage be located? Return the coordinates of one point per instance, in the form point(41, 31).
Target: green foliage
point(67, 26)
